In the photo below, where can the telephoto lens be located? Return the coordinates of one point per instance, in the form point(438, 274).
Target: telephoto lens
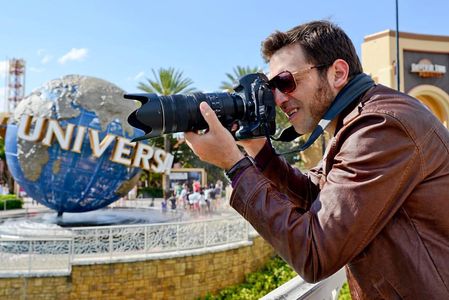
point(159, 115)
point(252, 107)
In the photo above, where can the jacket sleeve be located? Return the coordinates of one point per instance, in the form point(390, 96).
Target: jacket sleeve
point(374, 171)
point(301, 189)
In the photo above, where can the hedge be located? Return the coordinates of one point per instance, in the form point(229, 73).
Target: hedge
point(11, 201)
point(344, 292)
point(150, 192)
point(274, 274)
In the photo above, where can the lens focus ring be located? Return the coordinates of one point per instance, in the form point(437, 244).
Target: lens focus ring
point(216, 105)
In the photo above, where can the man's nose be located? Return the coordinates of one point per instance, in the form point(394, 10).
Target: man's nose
point(279, 97)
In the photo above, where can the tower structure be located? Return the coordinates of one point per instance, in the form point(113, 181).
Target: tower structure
point(16, 83)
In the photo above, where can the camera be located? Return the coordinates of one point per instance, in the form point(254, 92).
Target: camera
point(251, 106)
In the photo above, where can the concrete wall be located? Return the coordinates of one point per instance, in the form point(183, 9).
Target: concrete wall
point(186, 277)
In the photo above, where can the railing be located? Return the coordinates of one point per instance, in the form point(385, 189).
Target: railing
point(104, 244)
point(35, 256)
point(117, 241)
point(55, 256)
point(298, 289)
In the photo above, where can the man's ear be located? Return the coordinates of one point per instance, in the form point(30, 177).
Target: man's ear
point(340, 73)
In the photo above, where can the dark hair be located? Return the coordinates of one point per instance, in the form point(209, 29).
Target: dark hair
point(322, 41)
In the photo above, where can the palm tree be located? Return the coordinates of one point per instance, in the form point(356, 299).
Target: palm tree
point(234, 78)
point(167, 82)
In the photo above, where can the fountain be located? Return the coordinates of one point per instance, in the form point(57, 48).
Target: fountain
point(68, 146)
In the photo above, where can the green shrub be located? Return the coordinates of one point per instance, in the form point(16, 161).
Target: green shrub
point(344, 292)
point(10, 202)
point(274, 274)
point(151, 192)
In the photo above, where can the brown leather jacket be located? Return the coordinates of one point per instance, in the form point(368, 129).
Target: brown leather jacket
point(377, 203)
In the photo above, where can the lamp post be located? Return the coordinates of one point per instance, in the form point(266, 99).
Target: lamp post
point(398, 75)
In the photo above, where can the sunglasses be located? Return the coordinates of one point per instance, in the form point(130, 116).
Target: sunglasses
point(285, 81)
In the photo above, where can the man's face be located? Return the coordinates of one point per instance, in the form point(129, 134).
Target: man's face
point(307, 103)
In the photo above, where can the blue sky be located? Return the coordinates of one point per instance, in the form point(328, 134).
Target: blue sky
point(122, 41)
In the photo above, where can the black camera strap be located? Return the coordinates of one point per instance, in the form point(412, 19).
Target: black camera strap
point(350, 93)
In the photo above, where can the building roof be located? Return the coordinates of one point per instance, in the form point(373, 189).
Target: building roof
point(407, 35)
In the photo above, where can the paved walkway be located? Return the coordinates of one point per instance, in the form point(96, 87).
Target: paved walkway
point(31, 208)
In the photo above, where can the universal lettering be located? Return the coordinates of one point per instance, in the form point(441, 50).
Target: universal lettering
point(46, 131)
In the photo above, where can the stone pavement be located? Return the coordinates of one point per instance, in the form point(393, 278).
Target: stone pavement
point(31, 208)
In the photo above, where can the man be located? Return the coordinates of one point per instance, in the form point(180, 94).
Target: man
point(378, 202)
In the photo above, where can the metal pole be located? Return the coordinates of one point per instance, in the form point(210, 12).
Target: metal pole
point(398, 75)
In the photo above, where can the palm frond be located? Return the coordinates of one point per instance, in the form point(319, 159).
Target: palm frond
point(167, 81)
point(234, 77)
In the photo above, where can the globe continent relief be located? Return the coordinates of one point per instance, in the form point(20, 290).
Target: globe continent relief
point(68, 144)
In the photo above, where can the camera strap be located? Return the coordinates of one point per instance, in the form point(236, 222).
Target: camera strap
point(350, 93)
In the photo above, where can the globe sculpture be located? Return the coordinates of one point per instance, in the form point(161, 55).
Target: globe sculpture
point(68, 145)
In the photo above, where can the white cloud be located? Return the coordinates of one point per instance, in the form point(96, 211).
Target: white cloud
point(139, 75)
point(75, 54)
point(136, 77)
point(46, 59)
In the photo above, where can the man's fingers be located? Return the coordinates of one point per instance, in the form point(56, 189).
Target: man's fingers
point(209, 115)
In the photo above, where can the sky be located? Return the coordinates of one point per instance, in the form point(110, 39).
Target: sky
point(123, 41)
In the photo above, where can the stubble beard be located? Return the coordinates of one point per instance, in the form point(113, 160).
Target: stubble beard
point(321, 102)
point(322, 99)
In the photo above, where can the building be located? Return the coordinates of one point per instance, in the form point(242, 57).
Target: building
point(423, 63)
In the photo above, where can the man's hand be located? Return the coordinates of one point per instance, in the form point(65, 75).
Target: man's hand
point(217, 146)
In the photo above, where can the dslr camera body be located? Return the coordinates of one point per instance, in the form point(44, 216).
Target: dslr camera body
point(252, 107)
